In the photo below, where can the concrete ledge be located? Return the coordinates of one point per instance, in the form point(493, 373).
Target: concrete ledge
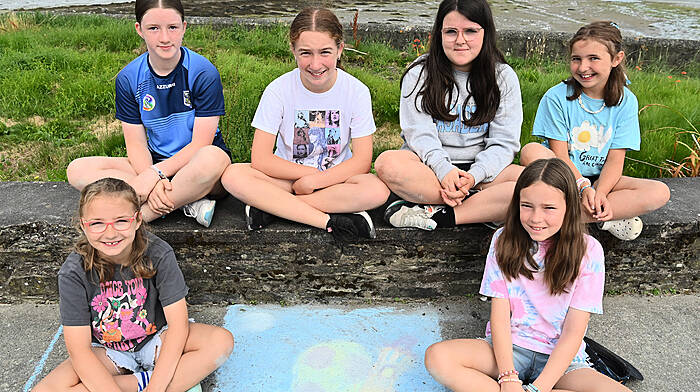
point(228, 263)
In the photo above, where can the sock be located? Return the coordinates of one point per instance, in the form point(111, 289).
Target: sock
point(444, 217)
point(143, 379)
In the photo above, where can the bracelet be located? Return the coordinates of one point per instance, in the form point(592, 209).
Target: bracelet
point(582, 180)
point(508, 373)
point(531, 388)
point(159, 172)
point(502, 380)
point(580, 191)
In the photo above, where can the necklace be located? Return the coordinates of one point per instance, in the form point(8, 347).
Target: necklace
point(580, 103)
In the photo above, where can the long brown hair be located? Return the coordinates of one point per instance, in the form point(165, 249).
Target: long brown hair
point(567, 247)
point(92, 260)
point(317, 19)
point(608, 34)
point(437, 89)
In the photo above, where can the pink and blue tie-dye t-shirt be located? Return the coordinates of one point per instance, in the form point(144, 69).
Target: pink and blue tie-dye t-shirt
point(537, 317)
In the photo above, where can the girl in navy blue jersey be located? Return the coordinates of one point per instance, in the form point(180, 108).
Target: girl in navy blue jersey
point(169, 101)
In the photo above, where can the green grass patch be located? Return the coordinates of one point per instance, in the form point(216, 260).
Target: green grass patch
point(57, 90)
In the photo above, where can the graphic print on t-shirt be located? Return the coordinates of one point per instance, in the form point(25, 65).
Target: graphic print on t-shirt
point(121, 322)
point(457, 125)
point(587, 144)
point(316, 138)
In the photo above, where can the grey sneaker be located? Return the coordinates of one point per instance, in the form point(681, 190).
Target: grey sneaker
point(404, 214)
point(202, 210)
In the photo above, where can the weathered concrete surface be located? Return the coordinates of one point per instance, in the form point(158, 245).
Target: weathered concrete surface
point(286, 261)
point(655, 334)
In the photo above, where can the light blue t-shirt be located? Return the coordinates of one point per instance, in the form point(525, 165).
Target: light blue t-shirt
point(590, 136)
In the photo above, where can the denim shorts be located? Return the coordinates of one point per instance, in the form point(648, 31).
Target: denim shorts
point(529, 364)
point(137, 361)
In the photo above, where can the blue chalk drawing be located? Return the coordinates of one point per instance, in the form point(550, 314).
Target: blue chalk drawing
point(320, 349)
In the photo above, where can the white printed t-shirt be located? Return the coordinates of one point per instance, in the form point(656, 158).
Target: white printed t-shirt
point(537, 317)
point(315, 129)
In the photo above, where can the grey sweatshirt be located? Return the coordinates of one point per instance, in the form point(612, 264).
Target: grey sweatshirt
point(488, 147)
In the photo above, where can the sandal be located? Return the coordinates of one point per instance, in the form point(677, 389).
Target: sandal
point(624, 229)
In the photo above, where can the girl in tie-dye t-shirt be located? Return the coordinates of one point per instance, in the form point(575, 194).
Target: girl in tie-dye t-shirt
point(545, 276)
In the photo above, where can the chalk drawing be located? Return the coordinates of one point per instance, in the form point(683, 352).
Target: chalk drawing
point(321, 349)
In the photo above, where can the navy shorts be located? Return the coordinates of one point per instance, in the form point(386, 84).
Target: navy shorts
point(218, 142)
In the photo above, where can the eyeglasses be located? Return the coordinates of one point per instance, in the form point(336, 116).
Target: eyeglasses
point(98, 226)
point(450, 34)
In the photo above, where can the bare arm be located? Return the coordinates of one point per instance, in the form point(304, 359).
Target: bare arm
point(173, 345)
point(569, 342)
point(203, 134)
point(612, 170)
point(92, 373)
point(561, 150)
point(140, 159)
point(262, 158)
point(500, 334)
point(359, 163)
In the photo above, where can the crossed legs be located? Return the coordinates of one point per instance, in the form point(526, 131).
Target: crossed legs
point(273, 195)
point(198, 178)
point(413, 181)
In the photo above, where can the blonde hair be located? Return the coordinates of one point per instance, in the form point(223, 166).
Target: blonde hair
point(92, 260)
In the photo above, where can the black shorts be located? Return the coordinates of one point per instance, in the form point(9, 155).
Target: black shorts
point(463, 166)
point(218, 142)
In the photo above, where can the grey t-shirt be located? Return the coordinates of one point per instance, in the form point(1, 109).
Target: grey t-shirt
point(489, 148)
point(126, 311)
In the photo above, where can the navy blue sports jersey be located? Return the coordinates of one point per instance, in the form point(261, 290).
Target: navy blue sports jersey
point(167, 105)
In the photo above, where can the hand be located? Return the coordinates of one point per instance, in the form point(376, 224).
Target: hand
point(305, 185)
point(158, 200)
point(588, 200)
point(601, 207)
point(144, 183)
point(455, 187)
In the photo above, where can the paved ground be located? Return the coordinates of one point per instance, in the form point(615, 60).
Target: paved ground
point(377, 347)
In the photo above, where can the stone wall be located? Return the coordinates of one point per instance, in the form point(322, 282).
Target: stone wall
point(289, 262)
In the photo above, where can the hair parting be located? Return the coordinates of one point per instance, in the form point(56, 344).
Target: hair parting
point(565, 250)
point(142, 6)
point(92, 261)
point(317, 19)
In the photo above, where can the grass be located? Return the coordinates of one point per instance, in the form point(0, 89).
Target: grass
point(57, 90)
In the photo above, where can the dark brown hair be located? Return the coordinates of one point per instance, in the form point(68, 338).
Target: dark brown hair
point(317, 19)
point(437, 89)
point(92, 260)
point(142, 6)
point(566, 248)
point(608, 34)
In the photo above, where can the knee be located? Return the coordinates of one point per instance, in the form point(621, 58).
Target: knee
point(388, 167)
point(75, 173)
point(212, 160)
point(662, 195)
point(43, 387)
point(235, 178)
point(534, 151)
point(435, 356)
point(223, 344)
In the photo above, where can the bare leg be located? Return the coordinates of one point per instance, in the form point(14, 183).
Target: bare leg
point(206, 349)
point(463, 365)
point(64, 377)
point(358, 193)
point(637, 196)
point(86, 170)
point(198, 178)
point(404, 173)
point(534, 151)
point(269, 194)
point(589, 380)
point(489, 205)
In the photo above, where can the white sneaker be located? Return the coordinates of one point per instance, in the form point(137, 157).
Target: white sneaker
point(624, 229)
point(403, 214)
point(202, 210)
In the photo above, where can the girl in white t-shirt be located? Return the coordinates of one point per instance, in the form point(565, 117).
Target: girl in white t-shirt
point(302, 168)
